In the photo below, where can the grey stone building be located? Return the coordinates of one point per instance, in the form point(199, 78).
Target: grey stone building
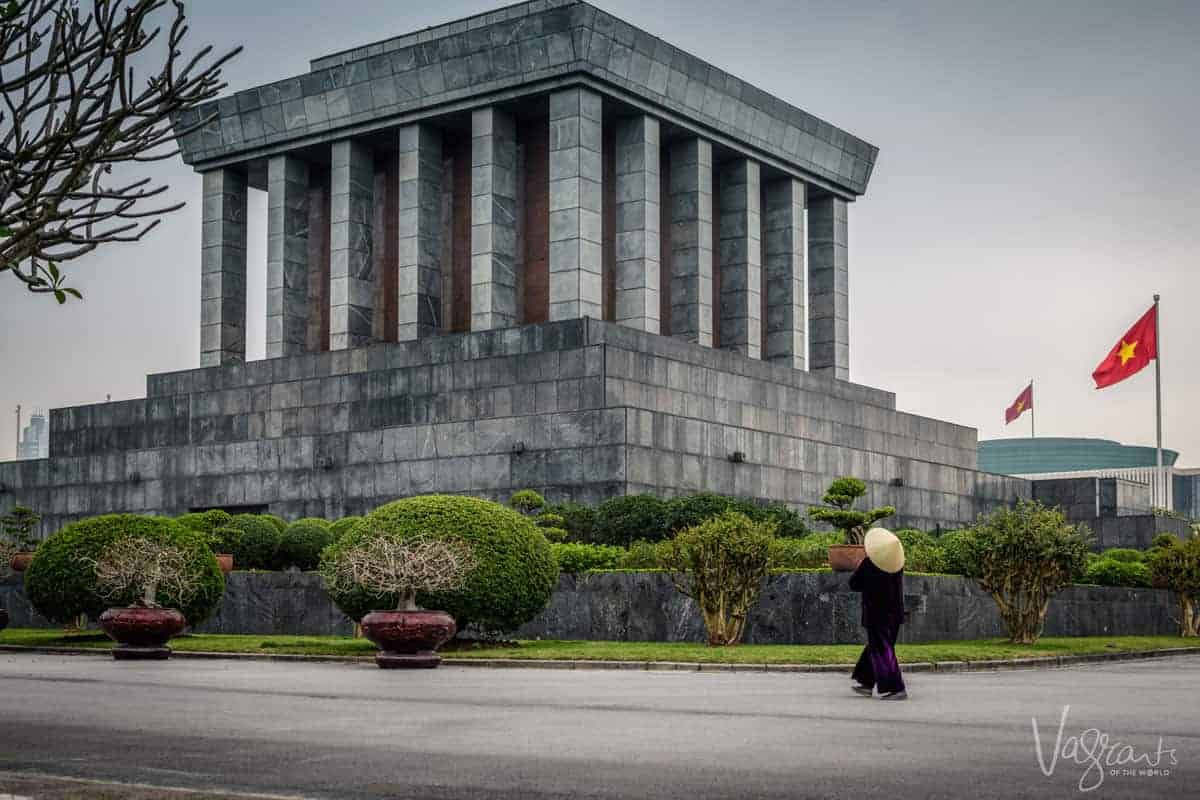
point(537, 247)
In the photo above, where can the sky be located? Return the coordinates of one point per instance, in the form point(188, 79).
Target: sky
point(1038, 181)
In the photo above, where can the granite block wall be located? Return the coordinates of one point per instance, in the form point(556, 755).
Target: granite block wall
point(578, 409)
point(794, 608)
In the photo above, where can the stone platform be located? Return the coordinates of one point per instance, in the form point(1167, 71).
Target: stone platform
point(579, 409)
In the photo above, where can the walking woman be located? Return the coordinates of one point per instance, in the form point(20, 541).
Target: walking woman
point(880, 579)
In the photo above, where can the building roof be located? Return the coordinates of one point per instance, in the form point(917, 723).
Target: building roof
point(1060, 454)
point(500, 55)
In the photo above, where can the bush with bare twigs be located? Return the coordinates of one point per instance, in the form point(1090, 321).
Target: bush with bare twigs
point(399, 569)
point(136, 571)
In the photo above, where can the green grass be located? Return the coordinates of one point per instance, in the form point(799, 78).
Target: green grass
point(979, 650)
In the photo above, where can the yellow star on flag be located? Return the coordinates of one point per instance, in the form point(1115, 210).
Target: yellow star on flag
point(1020, 406)
point(1126, 351)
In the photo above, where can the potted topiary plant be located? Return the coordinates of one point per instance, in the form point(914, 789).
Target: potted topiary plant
point(383, 565)
point(17, 527)
point(840, 496)
point(140, 569)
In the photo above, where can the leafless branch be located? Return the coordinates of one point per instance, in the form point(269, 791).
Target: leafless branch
point(137, 566)
point(70, 108)
point(384, 565)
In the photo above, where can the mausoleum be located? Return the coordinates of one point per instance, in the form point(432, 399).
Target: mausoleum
point(534, 248)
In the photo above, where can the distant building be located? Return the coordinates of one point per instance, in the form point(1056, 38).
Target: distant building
point(1053, 457)
point(35, 438)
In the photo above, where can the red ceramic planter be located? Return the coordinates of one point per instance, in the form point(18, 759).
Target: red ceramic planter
point(225, 562)
point(846, 557)
point(21, 561)
point(142, 633)
point(408, 639)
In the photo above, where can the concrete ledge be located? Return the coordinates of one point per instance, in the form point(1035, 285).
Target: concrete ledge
point(990, 665)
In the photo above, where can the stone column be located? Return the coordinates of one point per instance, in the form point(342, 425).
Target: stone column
point(741, 258)
point(493, 220)
point(420, 285)
point(223, 268)
point(351, 266)
point(691, 241)
point(637, 223)
point(287, 256)
point(828, 290)
point(576, 177)
point(784, 273)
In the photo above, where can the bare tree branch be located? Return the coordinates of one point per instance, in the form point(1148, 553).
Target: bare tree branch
point(72, 108)
point(383, 565)
point(138, 566)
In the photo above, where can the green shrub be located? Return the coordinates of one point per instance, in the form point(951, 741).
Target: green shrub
point(515, 571)
point(1175, 567)
point(550, 521)
point(621, 520)
point(1124, 554)
point(527, 501)
point(578, 519)
point(956, 552)
point(688, 511)
point(1022, 557)
point(840, 498)
point(61, 584)
point(788, 523)
point(922, 553)
point(225, 540)
point(279, 522)
point(1114, 572)
point(343, 526)
point(554, 534)
point(205, 521)
point(580, 556)
point(810, 552)
point(258, 546)
point(642, 555)
point(17, 528)
point(721, 564)
point(302, 543)
point(1165, 540)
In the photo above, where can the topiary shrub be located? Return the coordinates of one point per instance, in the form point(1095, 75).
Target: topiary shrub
point(515, 572)
point(578, 520)
point(621, 520)
point(642, 555)
point(580, 556)
point(840, 498)
point(552, 527)
point(1124, 554)
point(1114, 572)
point(527, 502)
point(302, 543)
point(922, 553)
point(811, 552)
point(956, 552)
point(690, 510)
point(788, 523)
point(225, 540)
point(258, 546)
point(343, 526)
point(279, 522)
point(61, 581)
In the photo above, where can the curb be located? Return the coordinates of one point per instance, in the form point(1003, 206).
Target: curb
point(993, 665)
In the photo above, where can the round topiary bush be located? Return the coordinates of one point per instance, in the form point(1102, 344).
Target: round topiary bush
point(279, 522)
point(225, 540)
point(61, 582)
point(621, 520)
point(515, 570)
point(343, 526)
point(258, 546)
point(205, 521)
point(1115, 572)
point(302, 544)
point(527, 501)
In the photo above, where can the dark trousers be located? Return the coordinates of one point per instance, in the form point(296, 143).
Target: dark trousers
point(877, 666)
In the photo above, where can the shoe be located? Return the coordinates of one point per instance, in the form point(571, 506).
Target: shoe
point(900, 695)
point(859, 689)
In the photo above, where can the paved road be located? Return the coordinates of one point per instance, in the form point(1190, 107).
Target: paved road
point(353, 731)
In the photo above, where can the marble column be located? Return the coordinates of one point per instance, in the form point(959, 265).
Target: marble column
point(741, 258)
point(828, 290)
point(691, 209)
point(576, 178)
point(638, 210)
point(287, 256)
point(784, 273)
point(223, 268)
point(351, 266)
point(420, 284)
point(493, 220)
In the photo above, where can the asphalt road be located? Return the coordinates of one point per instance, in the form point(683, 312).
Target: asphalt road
point(354, 731)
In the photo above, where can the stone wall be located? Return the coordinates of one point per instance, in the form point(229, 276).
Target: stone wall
point(799, 608)
point(1116, 510)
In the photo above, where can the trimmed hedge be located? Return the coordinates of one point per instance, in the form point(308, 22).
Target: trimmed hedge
point(61, 584)
point(1113, 572)
point(343, 526)
point(580, 556)
point(302, 543)
point(258, 546)
point(279, 522)
point(511, 584)
point(1124, 554)
point(691, 510)
point(624, 519)
point(809, 552)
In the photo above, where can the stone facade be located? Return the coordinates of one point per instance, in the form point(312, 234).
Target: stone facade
point(1118, 512)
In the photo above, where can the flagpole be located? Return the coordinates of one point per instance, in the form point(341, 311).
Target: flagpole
point(1032, 408)
point(1158, 405)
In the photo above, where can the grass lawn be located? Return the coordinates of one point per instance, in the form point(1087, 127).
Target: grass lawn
point(979, 650)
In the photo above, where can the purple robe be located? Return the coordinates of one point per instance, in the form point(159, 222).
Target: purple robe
point(882, 615)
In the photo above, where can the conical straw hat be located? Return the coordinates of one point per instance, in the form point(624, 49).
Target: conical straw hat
point(884, 549)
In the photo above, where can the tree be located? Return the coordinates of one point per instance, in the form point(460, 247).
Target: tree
point(387, 566)
point(17, 528)
point(136, 569)
point(1022, 557)
point(721, 564)
point(853, 524)
point(73, 107)
point(1176, 566)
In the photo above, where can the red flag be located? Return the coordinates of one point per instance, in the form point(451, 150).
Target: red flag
point(1137, 348)
point(1024, 401)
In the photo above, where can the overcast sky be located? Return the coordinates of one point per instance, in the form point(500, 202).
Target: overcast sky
point(1038, 181)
